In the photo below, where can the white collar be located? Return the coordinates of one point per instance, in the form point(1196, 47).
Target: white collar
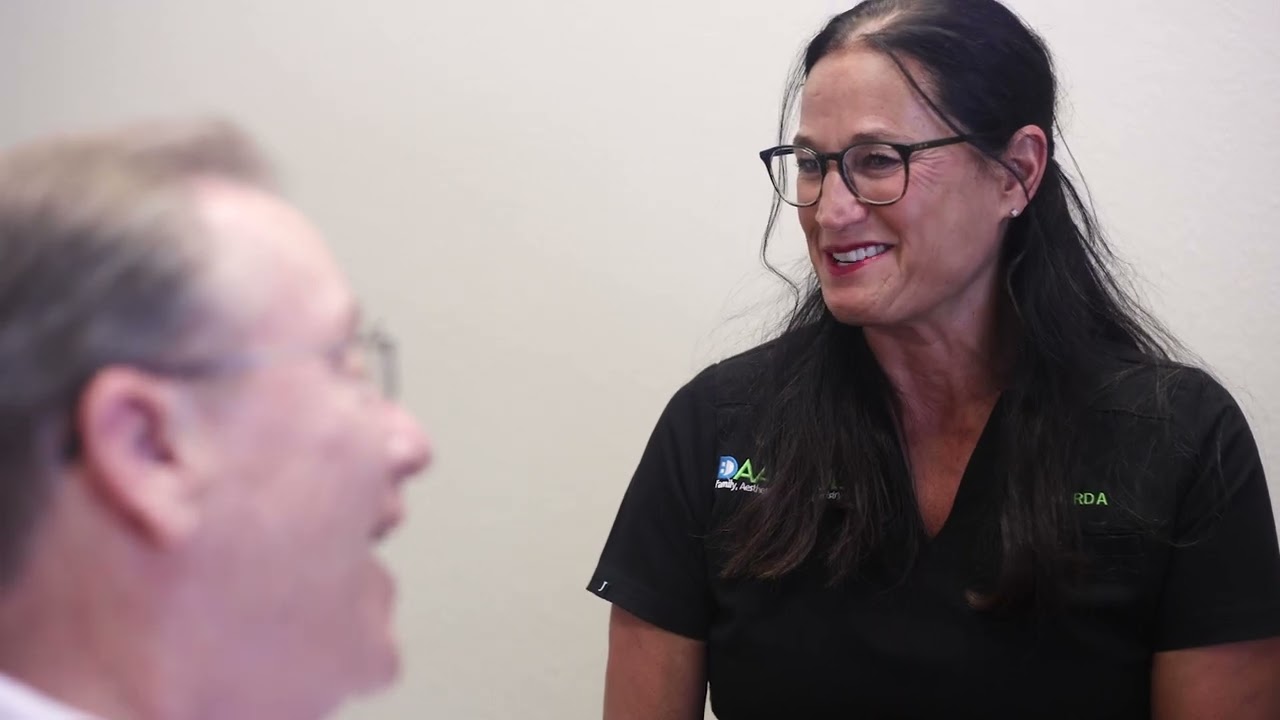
point(19, 701)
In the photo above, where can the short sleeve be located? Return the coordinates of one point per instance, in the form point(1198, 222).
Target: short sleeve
point(654, 562)
point(1223, 579)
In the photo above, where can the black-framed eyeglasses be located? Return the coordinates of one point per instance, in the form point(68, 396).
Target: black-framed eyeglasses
point(875, 172)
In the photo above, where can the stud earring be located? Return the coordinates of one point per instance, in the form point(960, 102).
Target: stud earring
point(1014, 212)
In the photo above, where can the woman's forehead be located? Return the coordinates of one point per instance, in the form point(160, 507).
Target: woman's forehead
point(859, 94)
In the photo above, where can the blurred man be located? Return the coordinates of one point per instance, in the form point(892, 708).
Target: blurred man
point(198, 446)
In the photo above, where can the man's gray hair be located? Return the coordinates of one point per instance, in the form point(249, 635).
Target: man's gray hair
point(101, 259)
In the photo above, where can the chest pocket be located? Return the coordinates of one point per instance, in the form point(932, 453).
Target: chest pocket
point(1116, 577)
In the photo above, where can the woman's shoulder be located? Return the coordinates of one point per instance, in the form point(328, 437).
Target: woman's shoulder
point(1182, 397)
point(743, 378)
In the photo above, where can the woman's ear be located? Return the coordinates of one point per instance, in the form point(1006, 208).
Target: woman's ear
point(1027, 155)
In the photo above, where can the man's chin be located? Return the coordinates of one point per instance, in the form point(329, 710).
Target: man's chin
point(379, 666)
point(382, 671)
point(383, 665)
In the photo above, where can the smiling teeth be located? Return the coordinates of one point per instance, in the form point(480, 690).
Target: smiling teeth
point(861, 253)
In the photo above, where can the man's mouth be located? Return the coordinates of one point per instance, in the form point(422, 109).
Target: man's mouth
point(390, 520)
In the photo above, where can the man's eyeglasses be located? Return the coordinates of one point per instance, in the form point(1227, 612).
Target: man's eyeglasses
point(875, 172)
point(368, 355)
point(371, 354)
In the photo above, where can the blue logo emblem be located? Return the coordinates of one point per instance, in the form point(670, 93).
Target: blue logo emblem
point(728, 467)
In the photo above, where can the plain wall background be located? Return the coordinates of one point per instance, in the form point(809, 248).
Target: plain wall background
point(557, 207)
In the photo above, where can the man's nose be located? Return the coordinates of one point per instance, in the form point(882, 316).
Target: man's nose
point(407, 444)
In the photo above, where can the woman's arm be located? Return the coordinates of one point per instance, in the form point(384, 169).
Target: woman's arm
point(652, 674)
point(1234, 681)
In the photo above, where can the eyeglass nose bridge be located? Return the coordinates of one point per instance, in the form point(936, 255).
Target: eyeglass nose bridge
point(825, 160)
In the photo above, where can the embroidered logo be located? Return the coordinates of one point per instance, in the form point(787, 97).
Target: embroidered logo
point(734, 476)
point(728, 467)
point(1088, 498)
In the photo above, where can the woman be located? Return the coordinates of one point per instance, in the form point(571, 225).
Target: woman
point(968, 480)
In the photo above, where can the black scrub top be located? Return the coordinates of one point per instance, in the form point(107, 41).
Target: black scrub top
point(1175, 518)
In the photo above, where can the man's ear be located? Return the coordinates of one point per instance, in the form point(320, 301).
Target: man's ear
point(131, 427)
point(1027, 154)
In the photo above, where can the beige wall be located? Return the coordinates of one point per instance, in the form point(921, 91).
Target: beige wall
point(557, 207)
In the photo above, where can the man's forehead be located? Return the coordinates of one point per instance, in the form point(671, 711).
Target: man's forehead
point(245, 212)
point(269, 262)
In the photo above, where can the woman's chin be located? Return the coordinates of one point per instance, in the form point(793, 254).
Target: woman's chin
point(849, 310)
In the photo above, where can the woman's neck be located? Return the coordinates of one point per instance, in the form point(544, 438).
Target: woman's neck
point(942, 371)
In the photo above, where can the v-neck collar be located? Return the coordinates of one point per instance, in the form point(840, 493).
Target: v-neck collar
point(977, 482)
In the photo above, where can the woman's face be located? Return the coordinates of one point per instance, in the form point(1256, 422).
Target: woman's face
point(938, 246)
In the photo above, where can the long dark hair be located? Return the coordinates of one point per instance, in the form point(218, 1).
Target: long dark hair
point(826, 423)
